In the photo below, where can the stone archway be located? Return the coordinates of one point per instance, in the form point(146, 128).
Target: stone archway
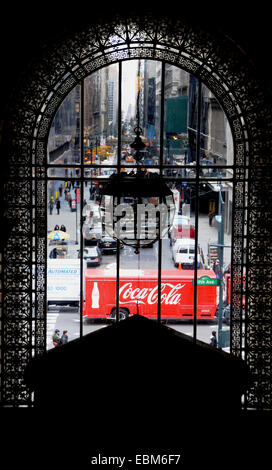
point(219, 64)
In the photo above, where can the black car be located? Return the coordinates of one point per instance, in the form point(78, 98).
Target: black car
point(92, 255)
point(108, 245)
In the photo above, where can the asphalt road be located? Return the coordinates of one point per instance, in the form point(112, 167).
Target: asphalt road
point(69, 319)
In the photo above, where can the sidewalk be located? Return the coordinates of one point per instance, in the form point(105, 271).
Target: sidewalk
point(71, 220)
point(209, 234)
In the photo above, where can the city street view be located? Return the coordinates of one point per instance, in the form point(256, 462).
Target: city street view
point(83, 252)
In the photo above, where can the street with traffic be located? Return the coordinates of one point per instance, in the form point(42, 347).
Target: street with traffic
point(66, 315)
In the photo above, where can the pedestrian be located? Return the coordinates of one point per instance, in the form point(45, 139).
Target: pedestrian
point(60, 189)
point(56, 338)
point(213, 339)
point(216, 268)
point(58, 205)
point(64, 338)
point(53, 253)
point(51, 205)
point(211, 216)
point(69, 198)
point(63, 228)
point(56, 227)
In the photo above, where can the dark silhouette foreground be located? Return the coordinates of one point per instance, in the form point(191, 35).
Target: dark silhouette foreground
point(139, 382)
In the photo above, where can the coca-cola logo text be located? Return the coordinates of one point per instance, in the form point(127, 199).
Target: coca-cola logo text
point(170, 294)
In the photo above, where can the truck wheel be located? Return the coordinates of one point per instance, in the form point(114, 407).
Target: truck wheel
point(123, 313)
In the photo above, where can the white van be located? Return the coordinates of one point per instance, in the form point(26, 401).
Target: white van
point(63, 281)
point(183, 252)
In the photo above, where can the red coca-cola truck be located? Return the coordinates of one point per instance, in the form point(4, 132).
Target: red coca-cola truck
point(138, 292)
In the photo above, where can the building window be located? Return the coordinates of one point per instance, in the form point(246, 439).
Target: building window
point(188, 141)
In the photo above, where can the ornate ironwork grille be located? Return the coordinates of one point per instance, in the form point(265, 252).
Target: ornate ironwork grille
point(227, 73)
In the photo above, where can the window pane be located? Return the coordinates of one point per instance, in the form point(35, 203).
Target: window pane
point(139, 273)
point(63, 263)
point(216, 138)
point(141, 80)
point(63, 172)
point(214, 237)
point(64, 137)
point(98, 174)
point(101, 117)
point(180, 114)
point(99, 276)
point(178, 263)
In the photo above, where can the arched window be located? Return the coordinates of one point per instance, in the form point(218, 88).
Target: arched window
point(217, 80)
point(188, 142)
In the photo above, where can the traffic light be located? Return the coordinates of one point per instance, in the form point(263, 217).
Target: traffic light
point(212, 253)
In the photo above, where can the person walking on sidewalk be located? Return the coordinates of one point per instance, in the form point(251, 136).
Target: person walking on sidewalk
point(51, 205)
point(56, 338)
point(211, 215)
point(61, 189)
point(216, 268)
point(58, 205)
point(64, 338)
point(213, 339)
point(69, 198)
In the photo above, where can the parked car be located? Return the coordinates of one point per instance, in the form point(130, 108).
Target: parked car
point(108, 244)
point(183, 253)
point(92, 255)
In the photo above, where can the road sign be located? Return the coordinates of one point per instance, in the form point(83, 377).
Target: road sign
point(206, 281)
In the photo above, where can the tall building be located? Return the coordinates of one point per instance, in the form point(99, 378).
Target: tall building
point(100, 114)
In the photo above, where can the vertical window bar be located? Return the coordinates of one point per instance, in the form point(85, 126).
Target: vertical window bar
point(81, 300)
point(119, 148)
point(159, 273)
point(198, 136)
point(118, 172)
point(161, 166)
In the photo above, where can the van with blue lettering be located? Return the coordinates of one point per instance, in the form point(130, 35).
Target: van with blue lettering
point(63, 282)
